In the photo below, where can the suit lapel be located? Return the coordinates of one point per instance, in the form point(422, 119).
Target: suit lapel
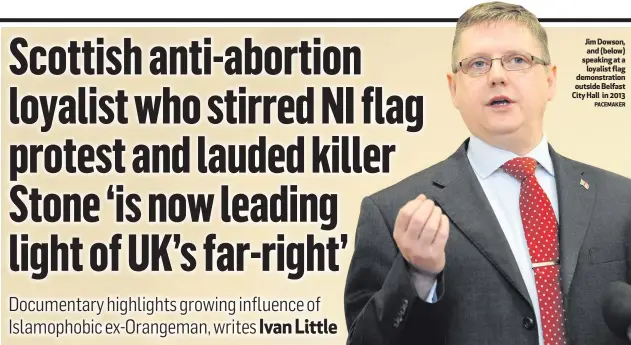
point(575, 207)
point(464, 202)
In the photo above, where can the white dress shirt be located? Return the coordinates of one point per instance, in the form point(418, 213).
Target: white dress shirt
point(502, 191)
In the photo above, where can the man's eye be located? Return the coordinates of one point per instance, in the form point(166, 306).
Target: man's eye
point(478, 64)
point(518, 59)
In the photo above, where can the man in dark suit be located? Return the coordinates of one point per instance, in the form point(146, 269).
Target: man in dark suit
point(506, 241)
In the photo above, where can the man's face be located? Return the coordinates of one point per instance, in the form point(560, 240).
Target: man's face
point(528, 91)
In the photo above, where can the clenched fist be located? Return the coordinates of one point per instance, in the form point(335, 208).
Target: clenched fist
point(421, 231)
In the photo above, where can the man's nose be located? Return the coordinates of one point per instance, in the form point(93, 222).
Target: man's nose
point(497, 73)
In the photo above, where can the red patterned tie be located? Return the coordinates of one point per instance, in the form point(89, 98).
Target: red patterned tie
point(540, 227)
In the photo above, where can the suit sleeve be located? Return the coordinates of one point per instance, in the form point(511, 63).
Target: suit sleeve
point(380, 301)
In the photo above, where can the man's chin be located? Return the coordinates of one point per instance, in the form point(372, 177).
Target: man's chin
point(509, 137)
point(503, 129)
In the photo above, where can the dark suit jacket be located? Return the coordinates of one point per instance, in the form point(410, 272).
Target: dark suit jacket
point(482, 296)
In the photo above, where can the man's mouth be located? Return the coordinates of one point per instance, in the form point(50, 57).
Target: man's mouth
point(500, 101)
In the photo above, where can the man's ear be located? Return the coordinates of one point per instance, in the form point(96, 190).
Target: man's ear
point(451, 82)
point(551, 80)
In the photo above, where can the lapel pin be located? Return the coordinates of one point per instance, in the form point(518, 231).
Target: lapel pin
point(584, 184)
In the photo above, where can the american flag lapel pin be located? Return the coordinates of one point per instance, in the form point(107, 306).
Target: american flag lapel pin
point(584, 184)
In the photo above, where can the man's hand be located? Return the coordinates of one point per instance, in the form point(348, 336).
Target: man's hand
point(421, 231)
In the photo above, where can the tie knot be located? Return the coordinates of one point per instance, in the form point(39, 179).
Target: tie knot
point(520, 167)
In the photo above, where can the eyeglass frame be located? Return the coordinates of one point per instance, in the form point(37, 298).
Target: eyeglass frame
point(534, 58)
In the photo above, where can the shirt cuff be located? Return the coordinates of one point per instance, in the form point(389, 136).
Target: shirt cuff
point(424, 284)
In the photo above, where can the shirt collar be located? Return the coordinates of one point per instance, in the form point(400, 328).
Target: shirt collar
point(486, 159)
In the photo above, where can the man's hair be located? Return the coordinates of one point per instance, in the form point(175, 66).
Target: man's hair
point(497, 11)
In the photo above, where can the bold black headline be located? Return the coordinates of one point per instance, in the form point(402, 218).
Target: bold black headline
point(201, 154)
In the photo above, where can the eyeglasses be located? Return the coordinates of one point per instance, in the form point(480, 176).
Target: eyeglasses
point(479, 65)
